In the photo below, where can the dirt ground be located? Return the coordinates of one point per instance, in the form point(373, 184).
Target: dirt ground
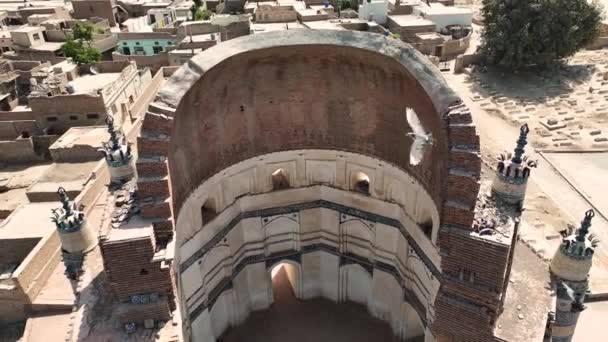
point(576, 97)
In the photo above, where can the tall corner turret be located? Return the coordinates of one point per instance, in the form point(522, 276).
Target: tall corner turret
point(512, 172)
point(570, 270)
point(76, 237)
point(118, 155)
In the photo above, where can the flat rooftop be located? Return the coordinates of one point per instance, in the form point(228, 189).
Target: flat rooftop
point(201, 38)
point(28, 29)
point(47, 46)
point(14, 5)
point(528, 301)
point(410, 20)
point(92, 83)
point(88, 135)
point(324, 25)
point(438, 8)
point(267, 27)
point(29, 221)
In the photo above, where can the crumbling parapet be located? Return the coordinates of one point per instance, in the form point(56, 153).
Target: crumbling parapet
point(118, 156)
point(570, 268)
point(76, 237)
point(512, 172)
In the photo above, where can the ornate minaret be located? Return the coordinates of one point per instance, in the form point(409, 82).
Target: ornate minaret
point(512, 172)
point(76, 238)
point(570, 269)
point(117, 152)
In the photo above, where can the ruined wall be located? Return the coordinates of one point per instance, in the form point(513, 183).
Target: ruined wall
point(38, 266)
point(132, 270)
point(154, 62)
point(10, 130)
point(366, 119)
point(63, 105)
point(196, 118)
point(20, 150)
point(85, 9)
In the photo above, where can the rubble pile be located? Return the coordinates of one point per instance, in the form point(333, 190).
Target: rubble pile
point(125, 200)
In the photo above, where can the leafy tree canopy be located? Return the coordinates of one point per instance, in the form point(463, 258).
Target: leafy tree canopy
point(522, 33)
point(80, 53)
point(75, 47)
point(82, 31)
point(202, 14)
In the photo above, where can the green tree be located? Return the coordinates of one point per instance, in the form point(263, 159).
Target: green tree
point(202, 14)
point(80, 53)
point(78, 45)
point(523, 33)
point(82, 31)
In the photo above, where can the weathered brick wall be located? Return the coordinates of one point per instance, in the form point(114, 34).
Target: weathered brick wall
point(131, 270)
point(85, 9)
point(460, 321)
point(138, 313)
point(474, 302)
point(300, 102)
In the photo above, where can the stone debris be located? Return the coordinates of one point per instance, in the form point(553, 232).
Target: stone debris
point(489, 217)
point(126, 204)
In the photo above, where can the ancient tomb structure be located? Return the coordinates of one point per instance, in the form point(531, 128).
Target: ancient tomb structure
point(117, 153)
point(512, 172)
point(570, 268)
point(76, 237)
point(294, 147)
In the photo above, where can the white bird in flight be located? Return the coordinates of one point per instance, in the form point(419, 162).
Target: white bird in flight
point(422, 139)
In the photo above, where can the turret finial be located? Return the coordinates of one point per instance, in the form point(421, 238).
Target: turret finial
point(65, 201)
point(522, 141)
point(112, 131)
point(585, 224)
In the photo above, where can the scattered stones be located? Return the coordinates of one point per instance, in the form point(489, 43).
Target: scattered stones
point(552, 124)
point(520, 316)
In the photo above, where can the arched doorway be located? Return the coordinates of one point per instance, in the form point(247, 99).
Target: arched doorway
point(285, 283)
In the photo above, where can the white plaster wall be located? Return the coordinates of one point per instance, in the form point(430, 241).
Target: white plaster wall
point(330, 275)
point(258, 286)
point(242, 300)
point(393, 194)
point(281, 233)
point(386, 298)
point(311, 275)
point(412, 324)
point(220, 313)
point(356, 284)
point(333, 168)
point(357, 237)
point(215, 267)
point(200, 328)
